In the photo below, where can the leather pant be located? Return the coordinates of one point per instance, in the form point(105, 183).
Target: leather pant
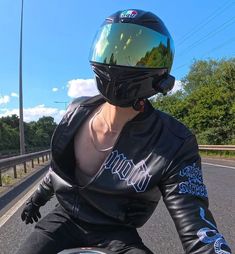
point(58, 231)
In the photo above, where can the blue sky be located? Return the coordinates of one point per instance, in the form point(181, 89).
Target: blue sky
point(58, 34)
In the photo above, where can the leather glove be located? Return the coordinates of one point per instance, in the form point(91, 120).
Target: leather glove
point(30, 212)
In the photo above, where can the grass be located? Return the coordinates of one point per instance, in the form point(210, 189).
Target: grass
point(218, 154)
point(7, 180)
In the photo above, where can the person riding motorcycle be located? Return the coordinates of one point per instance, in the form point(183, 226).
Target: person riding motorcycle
point(114, 156)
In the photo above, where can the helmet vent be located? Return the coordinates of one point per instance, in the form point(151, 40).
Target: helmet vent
point(109, 20)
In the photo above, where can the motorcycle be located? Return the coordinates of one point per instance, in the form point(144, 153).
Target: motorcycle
point(86, 250)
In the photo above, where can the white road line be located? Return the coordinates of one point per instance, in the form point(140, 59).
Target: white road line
point(17, 205)
point(217, 165)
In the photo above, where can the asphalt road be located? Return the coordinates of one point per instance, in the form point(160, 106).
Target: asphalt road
point(158, 233)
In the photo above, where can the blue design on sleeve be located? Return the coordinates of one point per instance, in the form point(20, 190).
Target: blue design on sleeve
point(194, 183)
point(202, 215)
point(208, 236)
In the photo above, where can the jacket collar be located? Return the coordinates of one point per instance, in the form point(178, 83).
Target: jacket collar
point(98, 100)
point(65, 131)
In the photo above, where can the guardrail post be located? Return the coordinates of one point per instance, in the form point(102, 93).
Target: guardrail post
point(25, 168)
point(11, 163)
point(15, 171)
point(0, 178)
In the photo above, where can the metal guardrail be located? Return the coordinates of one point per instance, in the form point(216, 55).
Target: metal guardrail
point(217, 147)
point(12, 162)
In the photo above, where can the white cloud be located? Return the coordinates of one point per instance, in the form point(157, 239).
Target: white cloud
point(34, 113)
point(177, 86)
point(82, 87)
point(55, 89)
point(14, 95)
point(87, 87)
point(4, 99)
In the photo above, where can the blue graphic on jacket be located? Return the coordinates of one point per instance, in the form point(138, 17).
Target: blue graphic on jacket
point(194, 184)
point(209, 236)
point(136, 175)
point(203, 217)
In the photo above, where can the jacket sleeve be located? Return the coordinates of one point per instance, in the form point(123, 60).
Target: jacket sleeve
point(185, 197)
point(44, 191)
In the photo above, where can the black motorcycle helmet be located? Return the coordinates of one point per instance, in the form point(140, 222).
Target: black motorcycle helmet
point(131, 57)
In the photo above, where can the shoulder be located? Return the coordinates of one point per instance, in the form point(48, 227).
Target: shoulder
point(187, 145)
point(174, 126)
point(76, 106)
point(175, 137)
point(76, 102)
point(84, 101)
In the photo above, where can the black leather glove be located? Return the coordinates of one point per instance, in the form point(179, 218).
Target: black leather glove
point(30, 212)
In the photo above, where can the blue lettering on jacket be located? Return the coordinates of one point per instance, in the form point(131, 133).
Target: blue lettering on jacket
point(136, 175)
point(194, 184)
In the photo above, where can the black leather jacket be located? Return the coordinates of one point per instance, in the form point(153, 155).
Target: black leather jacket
point(154, 156)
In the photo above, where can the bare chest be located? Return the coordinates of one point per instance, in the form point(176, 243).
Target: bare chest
point(92, 144)
point(88, 159)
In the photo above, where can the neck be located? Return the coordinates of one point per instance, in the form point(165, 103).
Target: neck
point(116, 117)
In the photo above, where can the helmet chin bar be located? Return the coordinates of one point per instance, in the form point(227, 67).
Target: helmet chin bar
point(137, 105)
point(128, 86)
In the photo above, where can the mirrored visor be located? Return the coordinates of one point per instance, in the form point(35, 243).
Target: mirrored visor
point(132, 45)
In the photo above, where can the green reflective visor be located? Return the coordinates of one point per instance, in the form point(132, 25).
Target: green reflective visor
point(132, 45)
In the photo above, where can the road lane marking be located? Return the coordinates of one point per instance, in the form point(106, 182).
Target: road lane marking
point(17, 205)
point(218, 165)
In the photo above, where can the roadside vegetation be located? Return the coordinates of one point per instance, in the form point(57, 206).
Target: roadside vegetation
point(37, 134)
point(206, 104)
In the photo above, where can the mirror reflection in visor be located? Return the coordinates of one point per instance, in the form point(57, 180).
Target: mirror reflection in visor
point(132, 45)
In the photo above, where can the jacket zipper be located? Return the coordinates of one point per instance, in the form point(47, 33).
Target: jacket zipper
point(101, 169)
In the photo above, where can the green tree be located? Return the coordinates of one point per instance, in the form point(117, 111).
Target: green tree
point(9, 137)
point(206, 103)
point(40, 132)
point(200, 74)
point(9, 133)
point(37, 134)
